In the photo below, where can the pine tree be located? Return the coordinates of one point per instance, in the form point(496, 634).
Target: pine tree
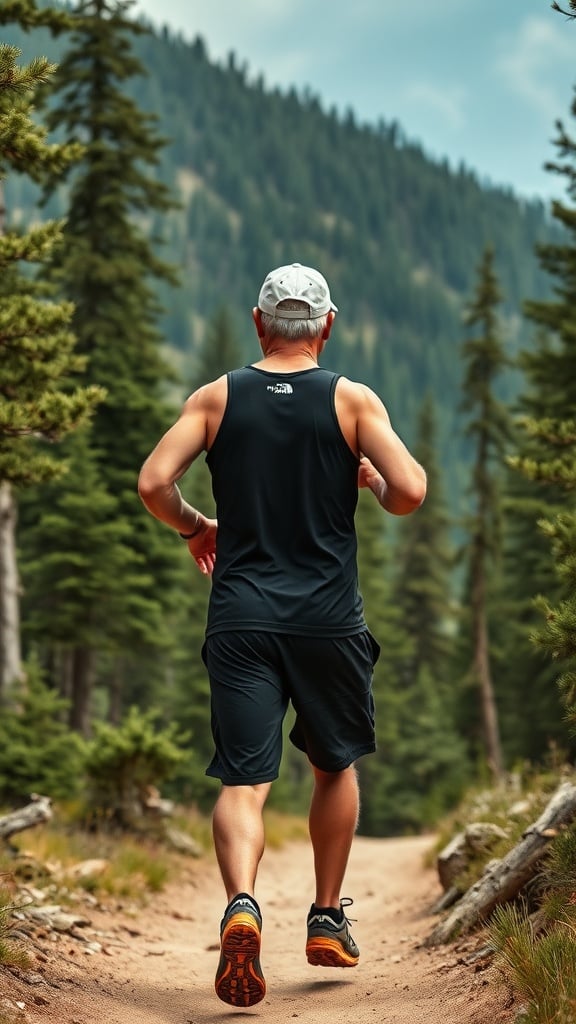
point(558, 636)
point(36, 344)
point(425, 561)
point(85, 595)
point(379, 773)
point(108, 267)
point(484, 359)
point(526, 571)
point(189, 700)
point(109, 262)
point(219, 351)
point(547, 455)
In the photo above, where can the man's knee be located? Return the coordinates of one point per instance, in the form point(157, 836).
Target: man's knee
point(257, 792)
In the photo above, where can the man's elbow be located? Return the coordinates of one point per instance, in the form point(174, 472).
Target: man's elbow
point(410, 498)
point(149, 485)
point(418, 492)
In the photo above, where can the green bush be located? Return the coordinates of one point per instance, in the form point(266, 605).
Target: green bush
point(38, 752)
point(124, 764)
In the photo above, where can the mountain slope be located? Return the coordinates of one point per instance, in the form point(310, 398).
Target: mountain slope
point(267, 178)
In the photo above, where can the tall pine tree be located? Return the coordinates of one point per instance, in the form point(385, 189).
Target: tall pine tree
point(425, 561)
point(37, 347)
point(188, 701)
point(108, 267)
point(547, 448)
point(488, 427)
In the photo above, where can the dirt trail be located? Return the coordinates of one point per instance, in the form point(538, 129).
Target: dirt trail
point(165, 973)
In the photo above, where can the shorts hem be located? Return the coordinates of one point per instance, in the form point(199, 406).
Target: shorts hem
point(228, 780)
point(344, 762)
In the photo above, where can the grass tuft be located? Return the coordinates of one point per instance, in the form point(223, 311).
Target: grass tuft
point(12, 952)
point(541, 969)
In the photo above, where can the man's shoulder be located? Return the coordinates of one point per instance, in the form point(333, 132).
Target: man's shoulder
point(209, 395)
point(353, 390)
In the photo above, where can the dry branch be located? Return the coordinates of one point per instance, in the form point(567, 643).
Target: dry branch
point(38, 811)
point(503, 879)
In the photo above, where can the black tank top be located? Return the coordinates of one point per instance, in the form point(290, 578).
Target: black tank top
point(285, 484)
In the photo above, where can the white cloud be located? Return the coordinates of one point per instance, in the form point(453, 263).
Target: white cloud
point(446, 102)
point(526, 62)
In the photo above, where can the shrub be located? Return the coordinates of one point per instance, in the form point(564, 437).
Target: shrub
point(124, 764)
point(38, 752)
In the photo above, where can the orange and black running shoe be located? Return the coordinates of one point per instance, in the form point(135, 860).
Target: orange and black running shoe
point(329, 942)
point(239, 978)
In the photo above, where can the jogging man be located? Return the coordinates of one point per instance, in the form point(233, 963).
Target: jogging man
point(288, 445)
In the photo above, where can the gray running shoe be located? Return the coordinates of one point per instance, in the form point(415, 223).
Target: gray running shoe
point(239, 978)
point(330, 944)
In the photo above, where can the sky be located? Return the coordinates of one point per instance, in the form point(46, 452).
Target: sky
point(480, 82)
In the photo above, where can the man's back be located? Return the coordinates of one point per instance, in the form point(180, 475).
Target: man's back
point(285, 482)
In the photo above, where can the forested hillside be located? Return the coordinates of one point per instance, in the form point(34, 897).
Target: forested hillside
point(266, 178)
point(202, 169)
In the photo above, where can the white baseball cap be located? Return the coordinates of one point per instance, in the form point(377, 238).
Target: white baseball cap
point(296, 282)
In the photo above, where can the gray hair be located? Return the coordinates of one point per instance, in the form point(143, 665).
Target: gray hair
point(289, 328)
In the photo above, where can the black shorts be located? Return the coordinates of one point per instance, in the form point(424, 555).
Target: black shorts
point(254, 675)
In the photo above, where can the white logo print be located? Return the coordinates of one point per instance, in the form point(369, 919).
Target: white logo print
point(280, 389)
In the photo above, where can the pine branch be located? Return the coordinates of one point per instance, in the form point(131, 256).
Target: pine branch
point(567, 14)
point(27, 15)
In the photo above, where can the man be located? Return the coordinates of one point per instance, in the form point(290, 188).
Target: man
point(288, 444)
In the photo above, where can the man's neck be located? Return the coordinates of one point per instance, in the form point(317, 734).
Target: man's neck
point(289, 356)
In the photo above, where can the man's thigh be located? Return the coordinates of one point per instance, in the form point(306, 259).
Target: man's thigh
point(330, 683)
point(248, 704)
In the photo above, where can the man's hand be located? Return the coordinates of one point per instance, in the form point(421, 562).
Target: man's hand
point(202, 547)
point(368, 476)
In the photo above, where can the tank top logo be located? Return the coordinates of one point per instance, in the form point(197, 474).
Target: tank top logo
point(280, 389)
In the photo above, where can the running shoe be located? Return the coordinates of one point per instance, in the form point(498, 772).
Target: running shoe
point(329, 942)
point(239, 978)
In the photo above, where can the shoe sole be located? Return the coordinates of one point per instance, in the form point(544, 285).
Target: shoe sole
point(239, 979)
point(325, 952)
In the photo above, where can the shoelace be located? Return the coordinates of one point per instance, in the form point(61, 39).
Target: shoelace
point(347, 902)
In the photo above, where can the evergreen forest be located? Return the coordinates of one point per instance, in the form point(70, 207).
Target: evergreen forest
point(146, 191)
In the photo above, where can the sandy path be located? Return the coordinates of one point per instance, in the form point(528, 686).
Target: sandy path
point(164, 974)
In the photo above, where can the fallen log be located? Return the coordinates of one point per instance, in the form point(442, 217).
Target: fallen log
point(503, 879)
point(38, 811)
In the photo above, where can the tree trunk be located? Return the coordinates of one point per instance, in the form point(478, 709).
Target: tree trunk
point(503, 879)
point(65, 666)
point(10, 655)
point(82, 677)
point(35, 813)
point(115, 680)
point(484, 676)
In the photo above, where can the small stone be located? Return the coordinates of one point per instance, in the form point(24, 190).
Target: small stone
point(33, 978)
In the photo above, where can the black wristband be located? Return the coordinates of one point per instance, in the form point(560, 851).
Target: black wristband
point(197, 528)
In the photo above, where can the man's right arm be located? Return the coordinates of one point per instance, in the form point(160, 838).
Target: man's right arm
point(387, 467)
